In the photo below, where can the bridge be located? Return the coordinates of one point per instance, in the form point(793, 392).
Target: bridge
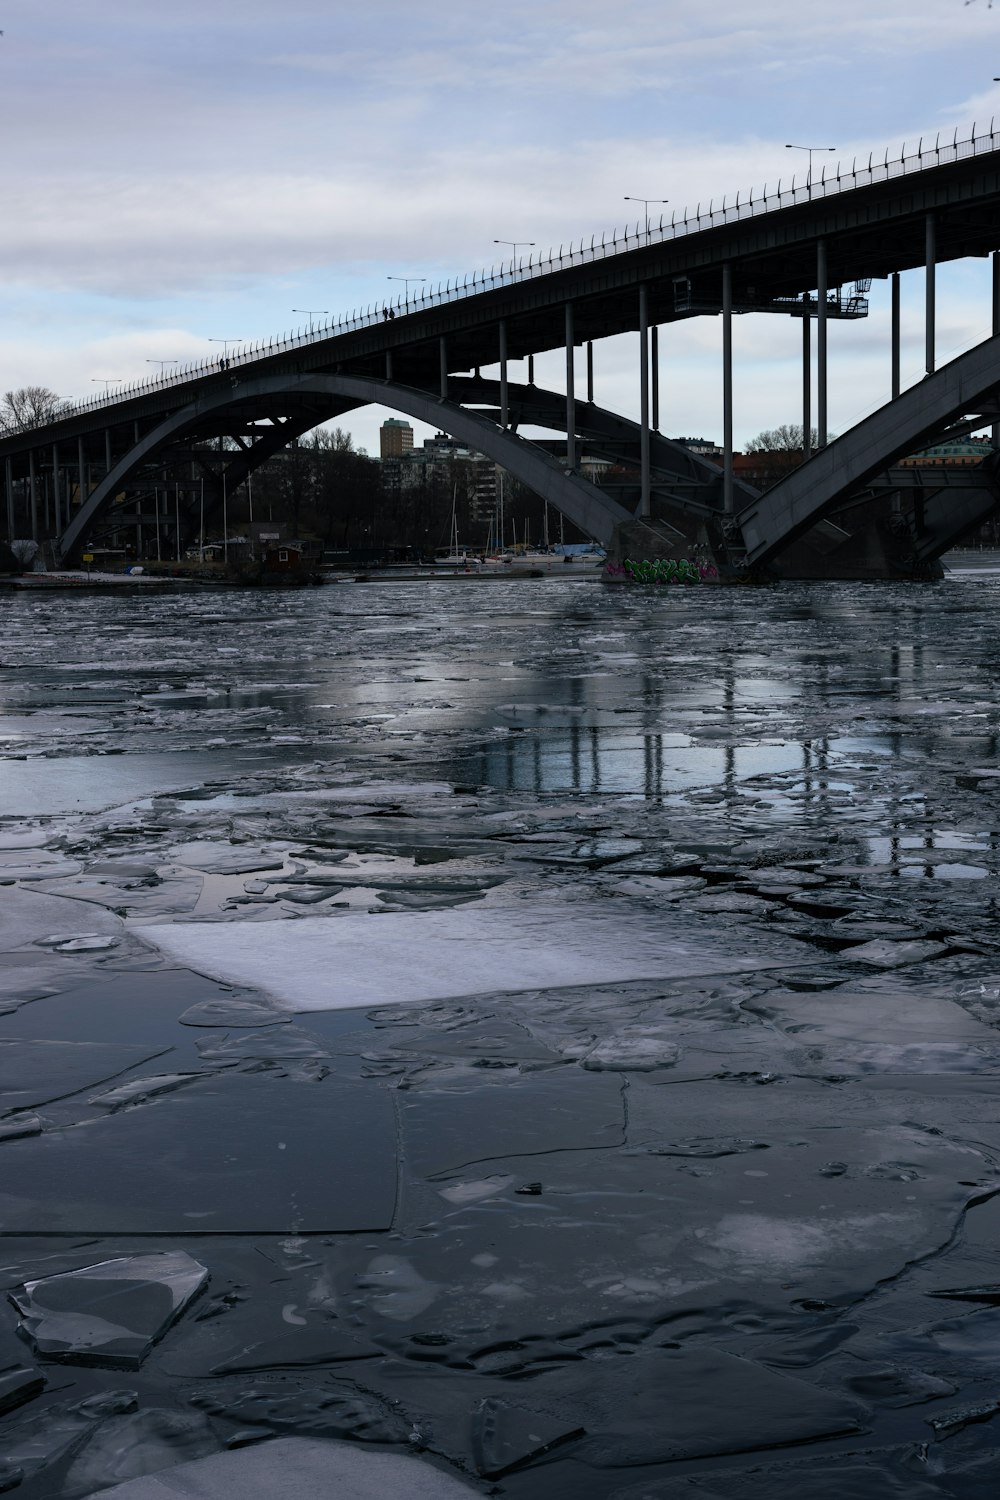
point(807, 251)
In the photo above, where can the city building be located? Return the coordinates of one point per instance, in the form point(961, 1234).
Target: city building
point(960, 451)
point(395, 438)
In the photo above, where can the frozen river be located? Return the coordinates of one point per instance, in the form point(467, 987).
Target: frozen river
point(549, 1029)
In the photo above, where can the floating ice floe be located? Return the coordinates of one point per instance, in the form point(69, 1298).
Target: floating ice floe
point(319, 963)
point(296, 1469)
point(111, 1313)
point(31, 917)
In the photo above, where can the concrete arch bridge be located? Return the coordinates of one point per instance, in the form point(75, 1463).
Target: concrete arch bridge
point(808, 252)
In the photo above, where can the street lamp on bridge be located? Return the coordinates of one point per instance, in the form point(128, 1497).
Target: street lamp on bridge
point(406, 280)
point(645, 204)
point(311, 312)
point(225, 347)
point(515, 246)
point(103, 380)
point(810, 149)
point(162, 362)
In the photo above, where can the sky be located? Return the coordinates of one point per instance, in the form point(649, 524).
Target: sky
point(174, 174)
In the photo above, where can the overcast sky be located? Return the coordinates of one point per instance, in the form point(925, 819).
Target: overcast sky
point(188, 171)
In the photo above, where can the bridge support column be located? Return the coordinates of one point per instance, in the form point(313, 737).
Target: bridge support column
point(821, 291)
point(644, 486)
point(655, 374)
point(806, 379)
point(895, 334)
point(590, 371)
point(443, 366)
point(388, 364)
point(727, 389)
point(107, 450)
point(56, 503)
point(996, 327)
point(504, 403)
point(570, 391)
point(9, 486)
point(33, 492)
point(81, 464)
point(930, 255)
point(531, 369)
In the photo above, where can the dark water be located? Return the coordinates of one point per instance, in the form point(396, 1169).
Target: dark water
point(547, 1028)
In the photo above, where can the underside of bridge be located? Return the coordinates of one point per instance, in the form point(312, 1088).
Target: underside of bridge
point(839, 516)
point(909, 515)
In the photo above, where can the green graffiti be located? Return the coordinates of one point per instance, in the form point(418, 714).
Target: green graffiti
point(667, 570)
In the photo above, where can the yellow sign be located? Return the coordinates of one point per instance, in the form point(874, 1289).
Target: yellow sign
point(88, 557)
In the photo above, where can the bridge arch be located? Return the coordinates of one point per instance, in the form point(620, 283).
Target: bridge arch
point(582, 502)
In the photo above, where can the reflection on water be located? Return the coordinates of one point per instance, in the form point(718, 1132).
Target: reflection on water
point(804, 703)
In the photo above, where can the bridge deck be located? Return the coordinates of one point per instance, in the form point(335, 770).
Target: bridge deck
point(872, 221)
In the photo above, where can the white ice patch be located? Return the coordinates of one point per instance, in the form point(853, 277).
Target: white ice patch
point(323, 963)
point(762, 1245)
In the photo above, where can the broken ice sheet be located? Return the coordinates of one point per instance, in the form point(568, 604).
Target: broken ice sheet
point(220, 857)
point(876, 1474)
point(129, 1445)
point(111, 1313)
point(486, 1115)
point(359, 960)
point(28, 917)
point(889, 1032)
point(652, 1408)
point(245, 1153)
point(39, 1072)
point(506, 1436)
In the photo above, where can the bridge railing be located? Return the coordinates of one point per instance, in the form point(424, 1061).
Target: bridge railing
point(612, 243)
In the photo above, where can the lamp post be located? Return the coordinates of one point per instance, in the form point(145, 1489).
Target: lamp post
point(311, 312)
point(162, 362)
point(101, 380)
point(810, 149)
point(225, 347)
point(515, 246)
point(634, 198)
point(406, 280)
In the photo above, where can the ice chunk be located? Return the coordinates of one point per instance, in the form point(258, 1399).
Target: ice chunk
point(474, 1192)
point(638, 1050)
point(111, 1313)
point(857, 1032)
point(506, 1436)
point(138, 1090)
point(882, 953)
point(232, 1013)
point(18, 1385)
point(143, 1442)
point(220, 857)
point(297, 1469)
point(318, 963)
point(28, 917)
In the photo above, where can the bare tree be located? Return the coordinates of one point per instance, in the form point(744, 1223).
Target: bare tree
point(778, 450)
point(29, 406)
point(25, 551)
point(785, 439)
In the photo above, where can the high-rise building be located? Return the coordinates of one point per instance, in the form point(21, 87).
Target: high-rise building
point(395, 438)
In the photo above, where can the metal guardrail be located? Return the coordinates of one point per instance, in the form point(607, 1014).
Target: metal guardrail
point(828, 185)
